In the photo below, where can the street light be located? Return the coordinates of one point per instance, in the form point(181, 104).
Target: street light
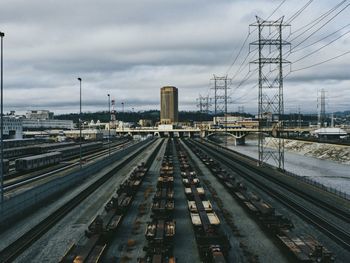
point(2, 120)
point(123, 118)
point(80, 124)
point(109, 124)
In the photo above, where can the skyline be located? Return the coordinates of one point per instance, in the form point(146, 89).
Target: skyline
point(130, 50)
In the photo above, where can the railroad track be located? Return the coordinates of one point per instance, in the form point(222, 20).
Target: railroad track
point(333, 230)
point(93, 245)
point(29, 178)
point(207, 224)
point(13, 173)
point(12, 251)
point(340, 213)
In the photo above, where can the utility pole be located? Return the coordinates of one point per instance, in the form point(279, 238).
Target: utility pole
point(123, 118)
point(80, 120)
point(2, 119)
point(299, 118)
point(109, 124)
point(270, 99)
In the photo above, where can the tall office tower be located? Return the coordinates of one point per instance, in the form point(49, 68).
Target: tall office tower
point(168, 105)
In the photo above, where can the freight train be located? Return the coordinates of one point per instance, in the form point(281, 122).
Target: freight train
point(212, 243)
point(102, 229)
point(304, 248)
point(160, 231)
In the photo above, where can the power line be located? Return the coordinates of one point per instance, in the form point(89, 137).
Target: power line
point(274, 11)
point(240, 69)
point(317, 41)
point(322, 62)
point(323, 25)
point(317, 20)
point(246, 39)
point(234, 61)
point(293, 17)
point(315, 51)
point(298, 13)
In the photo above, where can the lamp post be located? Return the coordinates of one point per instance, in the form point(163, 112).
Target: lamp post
point(80, 125)
point(2, 120)
point(109, 124)
point(123, 118)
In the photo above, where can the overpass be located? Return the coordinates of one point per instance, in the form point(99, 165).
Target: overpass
point(238, 133)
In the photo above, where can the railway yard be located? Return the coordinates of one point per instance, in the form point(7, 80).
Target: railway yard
point(162, 200)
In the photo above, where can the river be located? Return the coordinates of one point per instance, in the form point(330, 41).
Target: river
point(329, 173)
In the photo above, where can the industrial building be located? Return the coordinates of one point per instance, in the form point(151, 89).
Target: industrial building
point(169, 105)
point(43, 119)
point(39, 115)
point(330, 133)
point(235, 122)
point(12, 127)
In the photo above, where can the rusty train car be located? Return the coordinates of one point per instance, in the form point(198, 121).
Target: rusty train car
point(160, 231)
point(303, 248)
point(212, 243)
point(101, 230)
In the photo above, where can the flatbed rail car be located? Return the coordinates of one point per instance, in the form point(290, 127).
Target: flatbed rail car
point(305, 248)
point(38, 161)
point(161, 230)
point(75, 150)
point(212, 243)
point(278, 225)
point(102, 229)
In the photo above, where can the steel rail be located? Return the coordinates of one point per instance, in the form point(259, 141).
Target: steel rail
point(13, 250)
point(333, 230)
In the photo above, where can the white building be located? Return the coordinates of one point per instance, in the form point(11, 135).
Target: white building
point(12, 128)
point(330, 133)
point(43, 119)
point(39, 115)
point(229, 119)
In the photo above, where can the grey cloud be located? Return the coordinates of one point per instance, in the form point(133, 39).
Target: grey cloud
point(132, 48)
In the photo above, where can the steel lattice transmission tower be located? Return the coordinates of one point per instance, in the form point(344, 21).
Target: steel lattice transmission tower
point(321, 105)
point(221, 99)
point(203, 104)
point(270, 46)
point(220, 94)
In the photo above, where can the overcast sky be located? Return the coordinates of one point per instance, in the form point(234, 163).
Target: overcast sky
point(132, 48)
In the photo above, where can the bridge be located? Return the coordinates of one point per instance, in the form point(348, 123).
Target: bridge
point(238, 134)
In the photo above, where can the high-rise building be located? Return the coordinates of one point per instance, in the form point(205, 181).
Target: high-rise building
point(168, 105)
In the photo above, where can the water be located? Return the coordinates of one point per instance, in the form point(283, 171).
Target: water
point(329, 173)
